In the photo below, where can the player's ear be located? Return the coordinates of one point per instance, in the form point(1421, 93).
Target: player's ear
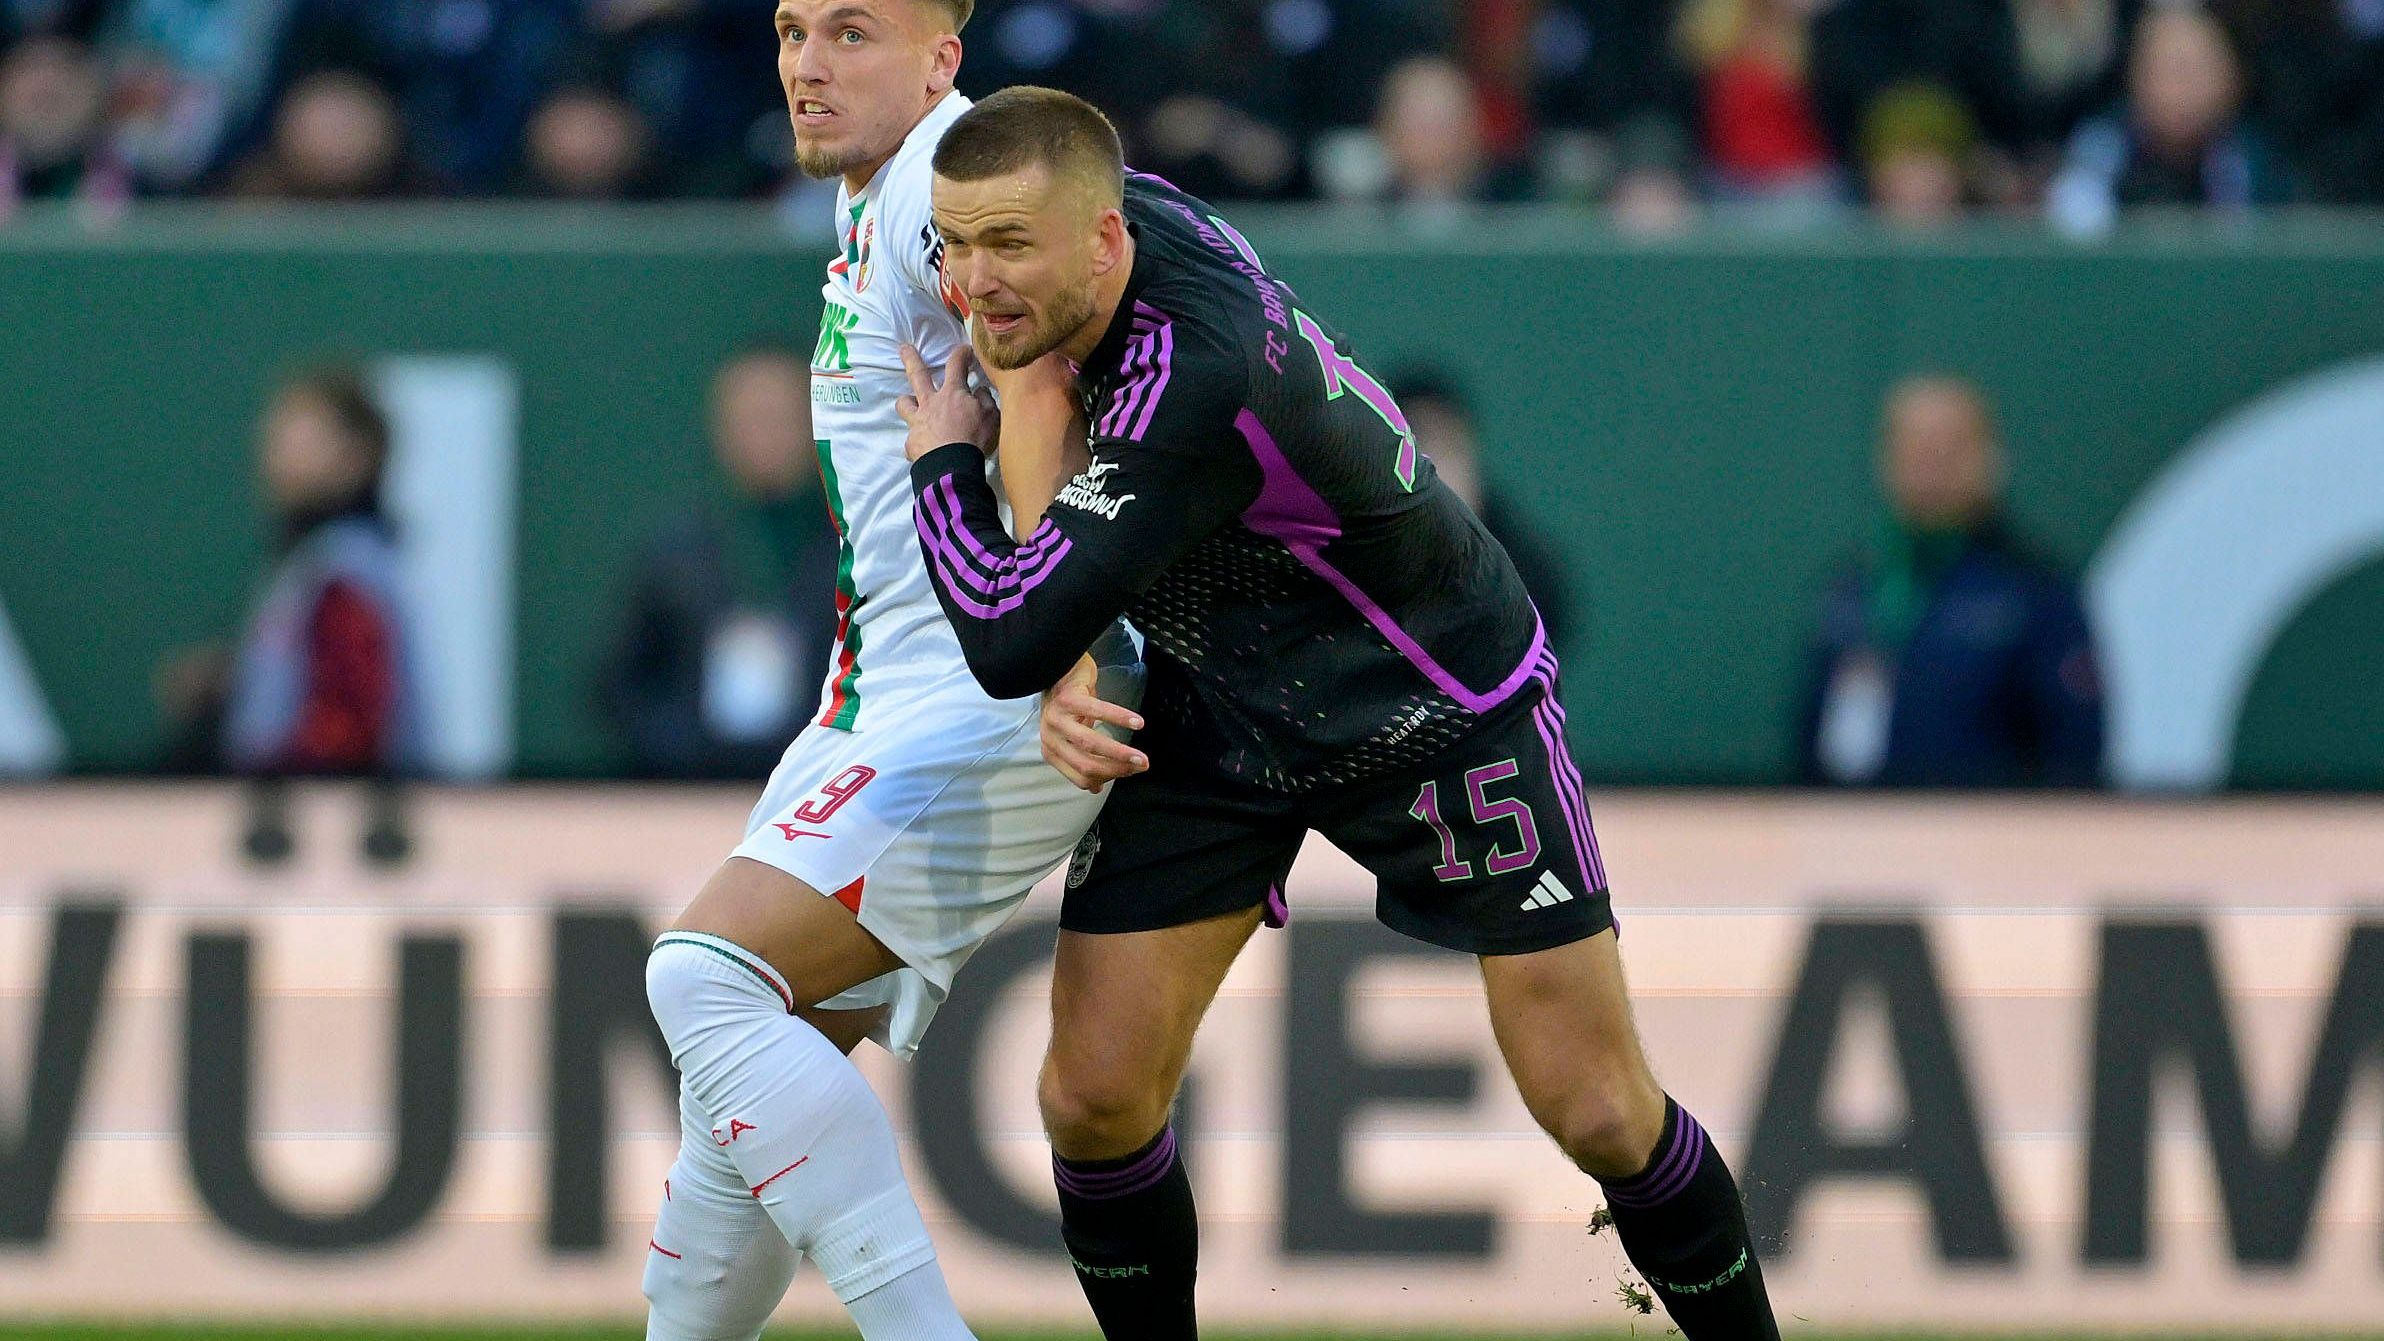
point(945, 71)
point(1109, 244)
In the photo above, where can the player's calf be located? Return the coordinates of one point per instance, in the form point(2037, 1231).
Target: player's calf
point(1684, 1226)
point(802, 1131)
point(1126, 1211)
point(1124, 1008)
point(1563, 1021)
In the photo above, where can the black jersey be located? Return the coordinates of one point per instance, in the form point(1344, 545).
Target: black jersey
point(1318, 606)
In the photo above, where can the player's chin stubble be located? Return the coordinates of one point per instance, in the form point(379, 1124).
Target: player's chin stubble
point(820, 162)
point(1069, 313)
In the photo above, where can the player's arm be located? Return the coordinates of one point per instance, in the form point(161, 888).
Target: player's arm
point(1042, 437)
point(1025, 611)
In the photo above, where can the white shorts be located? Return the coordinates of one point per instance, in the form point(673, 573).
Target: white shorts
point(931, 828)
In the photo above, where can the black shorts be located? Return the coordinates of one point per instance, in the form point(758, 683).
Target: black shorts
point(1487, 849)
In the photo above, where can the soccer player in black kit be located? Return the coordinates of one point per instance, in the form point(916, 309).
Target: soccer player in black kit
point(1334, 644)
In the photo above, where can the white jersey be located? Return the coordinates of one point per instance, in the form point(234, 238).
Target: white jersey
point(914, 800)
point(885, 289)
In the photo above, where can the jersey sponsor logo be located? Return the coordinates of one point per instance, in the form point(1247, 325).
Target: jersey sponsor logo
point(955, 301)
point(792, 833)
point(736, 1127)
point(1087, 492)
point(1548, 893)
point(834, 354)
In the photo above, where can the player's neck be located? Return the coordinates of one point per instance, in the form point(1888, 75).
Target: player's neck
point(1109, 294)
point(858, 179)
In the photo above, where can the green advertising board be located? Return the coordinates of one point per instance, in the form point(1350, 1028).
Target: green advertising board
point(1689, 422)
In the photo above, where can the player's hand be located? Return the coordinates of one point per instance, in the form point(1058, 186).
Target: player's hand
point(1072, 740)
point(1049, 379)
point(951, 412)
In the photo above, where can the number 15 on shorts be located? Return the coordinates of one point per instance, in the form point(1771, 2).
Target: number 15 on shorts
point(1510, 810)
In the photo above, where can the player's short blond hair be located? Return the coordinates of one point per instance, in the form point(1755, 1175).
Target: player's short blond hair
point(960, 10)
point(1018, 128)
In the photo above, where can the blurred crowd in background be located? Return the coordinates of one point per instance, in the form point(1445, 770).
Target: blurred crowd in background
point(1659, 112)
point(1942, 653)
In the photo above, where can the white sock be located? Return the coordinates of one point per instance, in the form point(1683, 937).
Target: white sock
point(914, 1304)
point(802, 1128)
point(716, 1267)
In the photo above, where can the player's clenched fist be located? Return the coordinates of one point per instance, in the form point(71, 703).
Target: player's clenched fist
point(949, 413)
point(1073, 741)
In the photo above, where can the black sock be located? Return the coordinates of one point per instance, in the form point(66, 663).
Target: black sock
point(1134, 1240)
point(1683, 1226)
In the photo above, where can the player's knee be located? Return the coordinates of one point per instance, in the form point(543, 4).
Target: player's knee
point(1092, 1113)
point(683, 1299)
point(691, 987)
point(1608, 1132)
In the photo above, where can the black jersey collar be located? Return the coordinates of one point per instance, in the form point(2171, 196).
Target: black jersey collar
point(1107, 355)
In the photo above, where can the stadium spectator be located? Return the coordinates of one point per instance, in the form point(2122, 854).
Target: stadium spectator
point(2181, 140)
point(1217, 150)
point(335, 137)
point(1919, 152)
point(1446, 432)
point(1603, 64)
point(193, 80)
point(1767, 152)
point(1652, 190)
point(1861, 49)
point(1948, 657)
point(698, 74)
point(464, 74)
point(732, 611)
point(1204, 95)
point(1581, 100)
point(585, 144)
point(1428, 152)
point(53, 131)
point(320, 682)
point(1614, 105)
point(2069, 59)
point(1328, 59)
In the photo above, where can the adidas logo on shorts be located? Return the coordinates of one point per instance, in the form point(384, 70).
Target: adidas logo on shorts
point(1548, 893)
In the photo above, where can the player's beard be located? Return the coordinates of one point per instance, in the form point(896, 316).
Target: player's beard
point(821, 163)
point(1067, 314)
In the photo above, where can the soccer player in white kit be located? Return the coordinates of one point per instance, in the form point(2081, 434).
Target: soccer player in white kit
point(902, 827)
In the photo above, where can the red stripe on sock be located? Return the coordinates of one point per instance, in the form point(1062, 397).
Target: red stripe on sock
point(757, 1187)
point(664, 1251)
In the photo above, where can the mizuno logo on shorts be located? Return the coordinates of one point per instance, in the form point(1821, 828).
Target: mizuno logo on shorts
point(1548, 893)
